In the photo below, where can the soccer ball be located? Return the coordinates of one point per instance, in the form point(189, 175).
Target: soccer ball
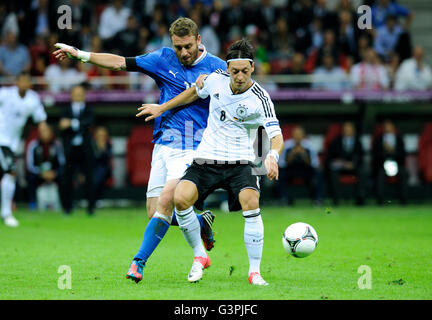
point(300, 239)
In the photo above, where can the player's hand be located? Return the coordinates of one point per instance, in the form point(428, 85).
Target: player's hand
point(153, 110)
point(65, 51)
point(200, 80)
point(272, 168)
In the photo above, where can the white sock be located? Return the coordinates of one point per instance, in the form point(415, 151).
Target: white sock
point(7, 194)
point(163, 217)
point(254, 238)
point(190, 227)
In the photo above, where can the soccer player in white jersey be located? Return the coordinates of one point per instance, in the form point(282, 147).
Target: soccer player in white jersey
point(238, 106)
point(174, 134)
point(17, 104)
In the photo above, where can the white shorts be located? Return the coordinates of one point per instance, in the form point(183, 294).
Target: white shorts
point(167, 164)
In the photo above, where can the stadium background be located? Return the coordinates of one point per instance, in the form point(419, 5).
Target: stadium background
point(280, 30)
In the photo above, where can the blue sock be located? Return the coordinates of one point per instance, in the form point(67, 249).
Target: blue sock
point(174, 221)
point(153, 234)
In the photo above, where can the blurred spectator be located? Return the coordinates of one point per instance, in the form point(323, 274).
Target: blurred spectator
point(299, 160)
point(113, 19)
point(261, 71)
point(329, 76)
point(370, 73)
point(414, 73)
point(345, 157)
point(40, 18)
point(125, 42)
point(282, 41)
point(301, 14)
point(160, 39)
point(297, 68)
point(388, 160)
point(74, 125)
point(45, 164)
point(328, 17)
point(232, 16)
point(364, 43)
point(386, 38)
point(10, 23)
point(62, 76)
point(14, 57)
point(81, 15)
point(384, 8)
point(317, 35)
point(37, 49)
point(348, 33)
point(329, 47)
point(209, 37)
point(102, 166)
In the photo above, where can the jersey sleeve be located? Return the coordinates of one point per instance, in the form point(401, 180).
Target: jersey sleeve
point(147, 63)
point(268, 115)
point(209, 82)
point(39, 113)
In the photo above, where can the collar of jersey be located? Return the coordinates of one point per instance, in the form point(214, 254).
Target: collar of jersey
point(202, 56)
point(237, 94)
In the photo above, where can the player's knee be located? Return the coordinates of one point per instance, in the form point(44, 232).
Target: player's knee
point(165, 203)
point(249, 200)
point(180, 201)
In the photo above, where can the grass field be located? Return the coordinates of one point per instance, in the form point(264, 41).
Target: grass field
point(394, 242)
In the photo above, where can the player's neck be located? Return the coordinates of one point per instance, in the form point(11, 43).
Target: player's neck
point(240, 91)
point(22, 93)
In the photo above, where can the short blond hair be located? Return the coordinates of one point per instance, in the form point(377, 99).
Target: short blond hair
point(183, 27)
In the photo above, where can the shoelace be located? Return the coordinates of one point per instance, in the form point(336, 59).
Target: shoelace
point(196, 267)
point(258, 279)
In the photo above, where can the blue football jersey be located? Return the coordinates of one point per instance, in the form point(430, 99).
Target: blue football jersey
point(183, 126)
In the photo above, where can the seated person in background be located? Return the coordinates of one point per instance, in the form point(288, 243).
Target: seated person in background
point(388, 160)
point(297, 68)
point(329, 76)
point(299, 160)
point(102, 157)
point(345, 156)
point(414, 73)
point(370, 73)
point(45, 163)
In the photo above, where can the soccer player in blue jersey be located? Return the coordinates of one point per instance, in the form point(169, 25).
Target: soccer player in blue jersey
point(176, 134)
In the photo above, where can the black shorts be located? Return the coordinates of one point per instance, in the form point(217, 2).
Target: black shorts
point(231, 177)
point(7, 160)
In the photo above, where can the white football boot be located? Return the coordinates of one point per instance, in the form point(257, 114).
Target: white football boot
point(10, 221)
point(256, 279)
point(198, 265)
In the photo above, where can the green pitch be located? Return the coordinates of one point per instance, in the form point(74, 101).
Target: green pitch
point(394, 242)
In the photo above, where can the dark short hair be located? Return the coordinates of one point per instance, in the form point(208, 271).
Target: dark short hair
point(183, 27)
point(240, 49)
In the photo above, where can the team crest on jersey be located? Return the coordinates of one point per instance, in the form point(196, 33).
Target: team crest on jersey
point(241, 113)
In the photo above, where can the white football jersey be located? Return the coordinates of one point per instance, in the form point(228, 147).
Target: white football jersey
point(14, 112)
point(234, 119)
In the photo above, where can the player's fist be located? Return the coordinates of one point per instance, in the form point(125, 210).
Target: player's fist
point(153, 110)
point(65, 51)
point(272, 167)
point(200, 81)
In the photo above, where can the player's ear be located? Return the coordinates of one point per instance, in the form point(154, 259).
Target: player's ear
point(198, 39)
point(253, 67)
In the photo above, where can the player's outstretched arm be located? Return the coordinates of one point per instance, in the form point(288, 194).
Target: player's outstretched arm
point(156, 110)
point(104, 60)
point(271, 161)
